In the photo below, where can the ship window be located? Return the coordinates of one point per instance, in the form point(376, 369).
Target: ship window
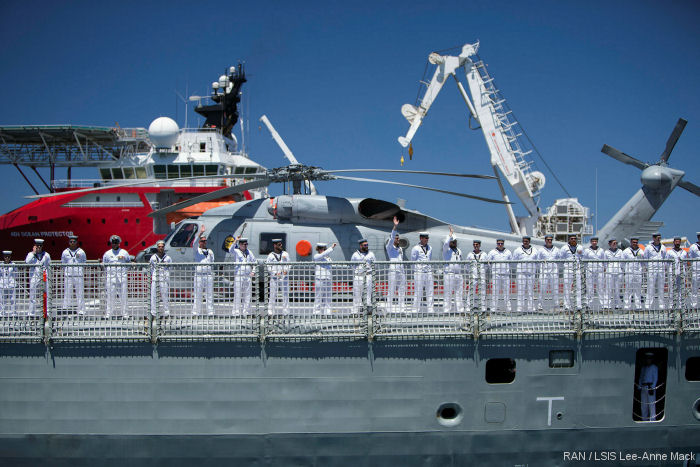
point(239, 170)
point(649, 395)
point(173, 171)
point(117, 174)
point(251, 170)
point(103, 221)
point(126, 221)
point(159, 171)
point(692, 369)
point(202, 147)
point(106, 174)
point(141, 172)
point(212, 169)
point(129, 173)
point(119, 198)
point(561, 358)
point(500, 371)
point(265, 244)
point(184, 236)
point(138, 221)
point(97, 198)
point(88, 221)
point(198, 170)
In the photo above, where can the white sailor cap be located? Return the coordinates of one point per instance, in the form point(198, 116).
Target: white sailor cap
point(612, 240)
point(594, 238)
point(115, 239)
point(424, 234)
point(38, 241)
point(362, 240)
point(634, 238)
point(276, 240)
point(243, 240)
point(72, 237)
point(159, 242)
point(6, 252)
point(500, 240)
point(322, 245)
point(548, 236)
point(477, 241)
point(656, 234)
point(697, 233)
point(202, 237)
point(526, 237)
point(676, 238)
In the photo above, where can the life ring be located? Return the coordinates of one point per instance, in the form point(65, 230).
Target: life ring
point(303, 248)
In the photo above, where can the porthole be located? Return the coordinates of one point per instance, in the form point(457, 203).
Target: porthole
point(696, 409)
point(449, 414)
point(500, 371)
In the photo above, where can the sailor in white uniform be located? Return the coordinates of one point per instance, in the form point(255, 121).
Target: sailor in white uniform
point(362, 280)
point(571, 253)
point(116, 276)
point(203, 274)
point(454, 274)
point(549, 274)
point(41, 261)
point(244, 270)
point(648, 382)
point(421, 255)
point(8, 284)
point(678, 255)
point(74, 279)
point(323, 278)
point(160, 279)
point(633, 274)
point(613, 276)
point(595, 273)
point(477, 279)
point(525, 275)
point(277, 264)
point(500, 274)
point(656, 252)
point(397, 274)
point(694, 254)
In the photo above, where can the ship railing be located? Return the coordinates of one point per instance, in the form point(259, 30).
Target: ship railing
point(307, 300)
point(62, 184)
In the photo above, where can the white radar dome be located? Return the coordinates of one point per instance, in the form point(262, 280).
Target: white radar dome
point(163, 132)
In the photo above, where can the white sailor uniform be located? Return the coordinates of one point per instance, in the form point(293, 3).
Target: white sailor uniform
point(676, 275)
point(8, 284)
point(422, 277)
point(203, 279)
point(454, 277)
point(501, 277)
point(595, 275)
point(549, 277)
point(362, 280)
point(571, 274)
point(613, 278)
point(278, 268)
point(525, 277)
point(244, 270)
point(160, 280)
point(116, 279)
point(397, 274)
point(41, 262)
point(694, 254)
point(633, 277)
point(477, 280)
point(74, 279)
point(324, 282)
point(655, 275)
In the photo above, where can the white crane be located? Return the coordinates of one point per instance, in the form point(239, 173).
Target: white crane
point(498, 125)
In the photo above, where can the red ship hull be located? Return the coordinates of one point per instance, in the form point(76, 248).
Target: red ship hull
point(50, 219)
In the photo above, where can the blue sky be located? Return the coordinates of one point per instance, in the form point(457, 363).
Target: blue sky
point(332, 78)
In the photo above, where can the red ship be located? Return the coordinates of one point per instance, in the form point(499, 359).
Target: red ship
point(140, 171)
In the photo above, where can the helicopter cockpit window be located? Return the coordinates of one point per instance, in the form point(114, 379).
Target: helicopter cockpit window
point(266, 242)
point(184, 236)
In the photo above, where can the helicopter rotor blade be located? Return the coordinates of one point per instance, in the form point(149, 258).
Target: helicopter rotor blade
point(673, 139)
point(447, 174)
point(691, 187)
point(144, 182)
point(464, 195)
point(622, 157)
point(210, 196)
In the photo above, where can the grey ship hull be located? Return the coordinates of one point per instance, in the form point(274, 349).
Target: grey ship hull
point(336, 403)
